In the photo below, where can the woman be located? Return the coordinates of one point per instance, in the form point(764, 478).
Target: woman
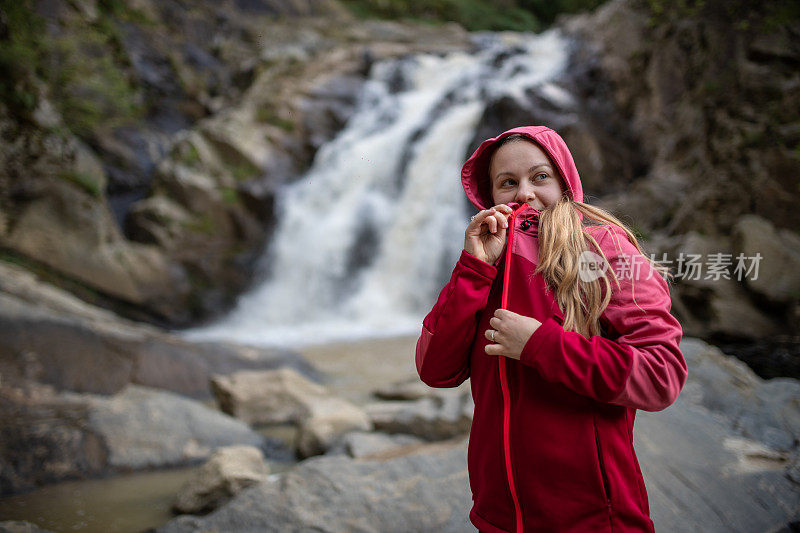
point(564, 329)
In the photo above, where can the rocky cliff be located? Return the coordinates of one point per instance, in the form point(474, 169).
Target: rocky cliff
point(707, 97)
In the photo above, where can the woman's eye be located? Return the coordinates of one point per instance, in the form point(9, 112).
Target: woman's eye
point(540, 177)
point(508, 183)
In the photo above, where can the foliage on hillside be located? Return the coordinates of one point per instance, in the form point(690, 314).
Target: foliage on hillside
point(84, 67)
point(520, 15)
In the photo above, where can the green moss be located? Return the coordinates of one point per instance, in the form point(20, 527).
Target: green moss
point(121, 10)
point(84, 181)
point(52, 276)
point(662, 11)
point(13, 259)
point(268, 115)
point(89, 86)
point(472, 14)
point(201, 224)
point(711, 88)
point(742, 15)
point(186, 153)
point(520, 15)
point(243, 171)
point(230, 195)
point(780, 13)
point(20, 55)
point(84, 68)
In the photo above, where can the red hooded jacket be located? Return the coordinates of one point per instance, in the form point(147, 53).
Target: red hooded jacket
point(551, 443)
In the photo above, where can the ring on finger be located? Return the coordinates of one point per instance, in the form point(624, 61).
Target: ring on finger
point(492, 335)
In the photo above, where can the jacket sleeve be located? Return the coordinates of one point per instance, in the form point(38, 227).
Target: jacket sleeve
point(443, 348)
point(640, 364)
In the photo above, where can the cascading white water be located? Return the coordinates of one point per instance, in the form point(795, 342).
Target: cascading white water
point(367, 236)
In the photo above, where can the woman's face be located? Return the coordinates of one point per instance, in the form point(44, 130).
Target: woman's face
point(521, 172)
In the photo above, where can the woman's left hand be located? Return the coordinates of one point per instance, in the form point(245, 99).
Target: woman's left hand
point(510, 333)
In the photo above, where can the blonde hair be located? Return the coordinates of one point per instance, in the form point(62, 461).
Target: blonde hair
point(562, 241)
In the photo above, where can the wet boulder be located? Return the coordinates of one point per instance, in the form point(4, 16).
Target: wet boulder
point(227, 472)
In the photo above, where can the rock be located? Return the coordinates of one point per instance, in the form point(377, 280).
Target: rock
point(650, 201)
point(19, 526)
point(692, 90)
point(22, 285)
point(72, 232)
point(701, 475)
point(765, 411)
point(267, 397)
point(779, 250)
point(87, 164)
point(47, 436)
point(360, 444)
point(430, 418)
point(270, 397)
point(45, 115)
point(422, 491)
point(158, 220)
point(414, 389)
point(329, 418)
point(145, 428)
point(717, 302)
point(328, 107)
point(292, 8)
point(46, 334)
point(44, 437)
point(227, 472)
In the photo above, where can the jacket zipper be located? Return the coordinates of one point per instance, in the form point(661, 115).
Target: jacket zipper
point(501, 361)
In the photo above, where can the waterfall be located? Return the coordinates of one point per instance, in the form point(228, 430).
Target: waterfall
point(365, 239)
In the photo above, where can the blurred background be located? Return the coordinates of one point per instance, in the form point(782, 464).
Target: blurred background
point(221, 224)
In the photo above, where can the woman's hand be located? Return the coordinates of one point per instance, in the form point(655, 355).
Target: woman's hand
point(486, 233)
point(510, 333)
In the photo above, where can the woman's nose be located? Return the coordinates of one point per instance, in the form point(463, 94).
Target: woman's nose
point(525, 193)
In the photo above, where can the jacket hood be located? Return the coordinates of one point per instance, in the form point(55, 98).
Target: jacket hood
point(475, 172)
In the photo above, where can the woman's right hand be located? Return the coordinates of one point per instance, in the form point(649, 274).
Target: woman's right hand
point(486, 233)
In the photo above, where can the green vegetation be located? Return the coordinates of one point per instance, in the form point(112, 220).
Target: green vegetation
point(84, 181)
point(82, 65)
point(88, 79)
point(120, 10)
point(520, 15)
point(230, 195)
point(53, 276)
point(665, 9)
point(20, 54)
point(268, 115)
point(201, 224)
point(242, 170)
point(186, 153)
point(743, 15)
